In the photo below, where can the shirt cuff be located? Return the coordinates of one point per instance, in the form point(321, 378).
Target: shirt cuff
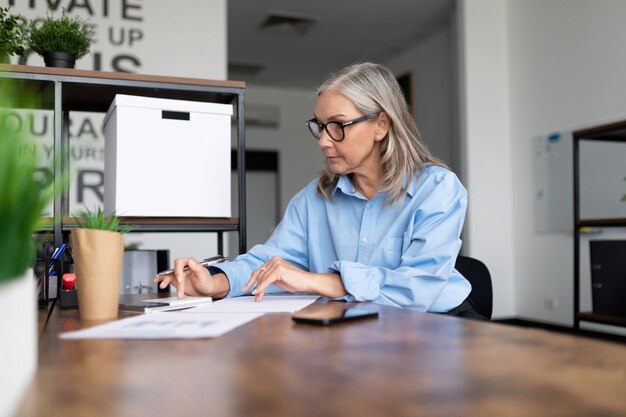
point(361, 282)
point(237, 278)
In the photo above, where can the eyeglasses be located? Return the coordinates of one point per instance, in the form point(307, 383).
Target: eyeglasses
point(334, 129)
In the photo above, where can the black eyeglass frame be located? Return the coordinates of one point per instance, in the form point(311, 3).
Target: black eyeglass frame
point(341, 125)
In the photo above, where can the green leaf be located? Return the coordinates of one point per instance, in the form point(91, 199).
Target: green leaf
point(96, 219)
point(13, 33)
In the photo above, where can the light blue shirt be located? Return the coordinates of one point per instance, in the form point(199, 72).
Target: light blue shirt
point(399, 255)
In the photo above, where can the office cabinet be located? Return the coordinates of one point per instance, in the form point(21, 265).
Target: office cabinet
point(599, 204)
point(63, 90)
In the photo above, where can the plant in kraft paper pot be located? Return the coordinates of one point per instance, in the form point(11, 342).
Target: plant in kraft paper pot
point(61, 41)
point(98, 249)
point(23, 199)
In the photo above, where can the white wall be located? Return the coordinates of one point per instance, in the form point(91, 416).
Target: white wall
point(486, 137)
point(530, 67)
point(429, 63)
point(178, 38)
point(300, 159)
point(191, 38)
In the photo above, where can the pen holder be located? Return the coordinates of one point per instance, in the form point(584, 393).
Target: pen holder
point(68, 299)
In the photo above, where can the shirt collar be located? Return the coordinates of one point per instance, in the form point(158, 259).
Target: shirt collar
point(345, 185)
point(412, 187)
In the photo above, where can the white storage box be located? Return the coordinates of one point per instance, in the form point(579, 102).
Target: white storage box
point(167, 158)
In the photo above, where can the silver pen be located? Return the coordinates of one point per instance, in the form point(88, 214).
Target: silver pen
point(205, 262)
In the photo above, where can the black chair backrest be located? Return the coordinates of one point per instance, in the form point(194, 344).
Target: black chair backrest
point(478, 275)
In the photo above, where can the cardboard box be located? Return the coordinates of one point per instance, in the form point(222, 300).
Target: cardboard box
point(167, 158)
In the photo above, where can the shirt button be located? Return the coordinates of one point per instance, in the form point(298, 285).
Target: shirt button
point(364, 240)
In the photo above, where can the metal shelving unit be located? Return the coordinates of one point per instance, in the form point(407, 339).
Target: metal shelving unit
point(64, 90)
point(613, 132)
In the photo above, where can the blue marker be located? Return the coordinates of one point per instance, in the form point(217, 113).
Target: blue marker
point(55, 256)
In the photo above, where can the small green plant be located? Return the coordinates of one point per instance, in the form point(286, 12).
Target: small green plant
point(70, 34)
point(13, 33)
point(23, 198)
point(88, 219)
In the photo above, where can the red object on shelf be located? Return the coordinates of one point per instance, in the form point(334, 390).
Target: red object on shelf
point(69, 281)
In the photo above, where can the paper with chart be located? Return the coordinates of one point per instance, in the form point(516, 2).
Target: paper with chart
point(207, 320)
point(166, 325)
point(271, 303)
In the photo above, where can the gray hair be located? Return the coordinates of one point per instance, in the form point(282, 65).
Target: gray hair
point(373, 89)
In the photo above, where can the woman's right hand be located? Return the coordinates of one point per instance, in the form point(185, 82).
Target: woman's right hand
point(196, 281)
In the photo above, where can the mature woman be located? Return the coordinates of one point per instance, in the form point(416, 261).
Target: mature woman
point(381, 224)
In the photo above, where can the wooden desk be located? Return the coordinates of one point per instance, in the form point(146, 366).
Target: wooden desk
point(403, 364)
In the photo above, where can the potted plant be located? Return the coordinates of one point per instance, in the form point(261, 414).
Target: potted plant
point(22, 201)
point(61, 41)
point(98, 250)
point(13, 34)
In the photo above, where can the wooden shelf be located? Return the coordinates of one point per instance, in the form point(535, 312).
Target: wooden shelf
point(93, 91)
point(602, 318)
point(601, 223)
point(607, 132)
point(123, 76)
point(162, 224)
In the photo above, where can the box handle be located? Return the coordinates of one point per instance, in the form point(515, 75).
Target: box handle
point(175, 115)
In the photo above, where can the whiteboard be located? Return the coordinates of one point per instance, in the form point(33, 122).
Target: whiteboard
point(553, 167)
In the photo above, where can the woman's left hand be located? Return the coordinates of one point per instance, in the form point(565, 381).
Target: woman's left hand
point(280, 273)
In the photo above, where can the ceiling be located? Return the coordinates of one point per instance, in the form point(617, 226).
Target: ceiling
point(306, 40)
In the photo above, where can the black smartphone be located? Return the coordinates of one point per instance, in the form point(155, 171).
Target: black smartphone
point(326, 314)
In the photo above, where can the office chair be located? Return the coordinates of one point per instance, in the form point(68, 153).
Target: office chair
point(478, 275)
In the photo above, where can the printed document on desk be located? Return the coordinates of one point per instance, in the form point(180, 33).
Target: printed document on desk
point(271, 303)
point(165, 325)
